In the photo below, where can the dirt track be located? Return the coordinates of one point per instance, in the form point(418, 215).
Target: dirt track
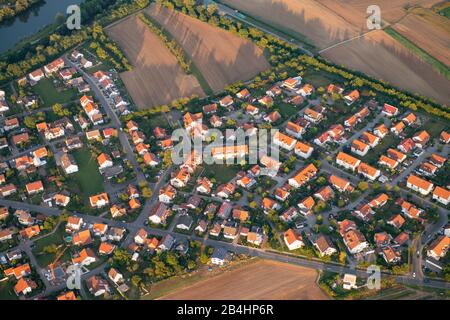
point(156, 78)
point(262, 280)
point(221, 57)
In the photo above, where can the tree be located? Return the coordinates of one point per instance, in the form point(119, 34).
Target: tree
point(30, 122)
point(136, 280)
point(204, 258)
point(363, 186)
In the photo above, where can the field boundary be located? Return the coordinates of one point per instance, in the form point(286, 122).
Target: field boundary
point(188, 59)
point(437, 65)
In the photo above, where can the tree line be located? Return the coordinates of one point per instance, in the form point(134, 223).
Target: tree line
point(9, 9)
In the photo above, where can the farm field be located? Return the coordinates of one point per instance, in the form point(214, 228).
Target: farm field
point(156, 78)
point(258, 281)
point(382, 57)
point(327, 22)
point(220, 56)
point(429, 31)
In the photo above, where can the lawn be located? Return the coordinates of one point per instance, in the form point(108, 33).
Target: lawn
point(88, 177)
point(287, 110)
point(56, 238)
point(389, 141)
point(434, 127)
point(7, 291)
point(221, 172)
point(51, 95)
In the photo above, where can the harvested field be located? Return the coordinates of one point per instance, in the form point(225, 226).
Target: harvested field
point(156, 78)
point(429, 31)
point(221, 57)
point(262, 280)
point(307, 17)
point(382, 57)
point(354, 11)
point(327, 22)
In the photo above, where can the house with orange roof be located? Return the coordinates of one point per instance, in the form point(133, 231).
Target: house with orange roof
point(99, 229)
point(303, 176)
point(166, 143)
point(293, 239)
point(396, 155)
point(106, 248)
point(369, 172)
point(150, 159)
point(409, 210)
point(284, 141)
point(180, 178)
point(281, 194)
point(36, 75)
point(439, 247)
point(19, 271)
point(204, 185)
point(359, 147)
point(396, 221)
point(351, 97)
point(167, 194)
point(420, 185)
point(312, 115)
point(437, 160)
point(409, 119)
point(364, 212)
point(347, 161)
point(243, 94)
point(251, 110)
point(99, 200)
point(355, 241)
point(332, 88)
point(8, 190)
point(93, 135)
point(391, 255)
point(351, 122)
point(269, 204)
point(109, 133)
point(134, 204)
point(292, 83)
point(104, 161)
point(34, 187)
point(340, 184)
point(381, 131)
point(137, 137)
point(226, 101)
point(303, 150)
point(294, 129)
point(74, 223)
point(441, 195)
point(421, 139)
point(142, 148)
point(54, 66)
point(379, 201)
point(225, 190)
point(30, 232)
point(444, 137)
point(85, 257)
point(266, 100)
point(306, 90)
point(24, 286)
point(398, 128)
point(61, 200)
point(387, 162)
point(370, 139)
point(427, 169)
point(66, 296)
point(82, 238)
point(325, 194)
point(20, 138)
point(274, 91)
point(306, 205)
point(132, 126)
point(272, 117)
point(246, 182)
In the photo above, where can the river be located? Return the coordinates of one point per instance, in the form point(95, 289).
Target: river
point(30, 22)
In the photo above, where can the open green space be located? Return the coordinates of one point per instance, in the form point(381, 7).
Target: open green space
point(434, 126)
point(7, 291)
point(50, 95)
point(56, 238)
point(221, 172)
point(88, 177)
point(287, 110)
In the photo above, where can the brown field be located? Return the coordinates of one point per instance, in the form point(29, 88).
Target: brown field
point(156, 77)
point(354, 11)
point(382, 57)
point(262, 280)
point(307, 17)
point(429, 31)
point(327, 22)
point(221, 57)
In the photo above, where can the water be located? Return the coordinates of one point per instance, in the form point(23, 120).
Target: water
point(30, 22)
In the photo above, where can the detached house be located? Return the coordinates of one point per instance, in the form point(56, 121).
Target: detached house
point(418, 184)
point(293, 239)
point(347, 161)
